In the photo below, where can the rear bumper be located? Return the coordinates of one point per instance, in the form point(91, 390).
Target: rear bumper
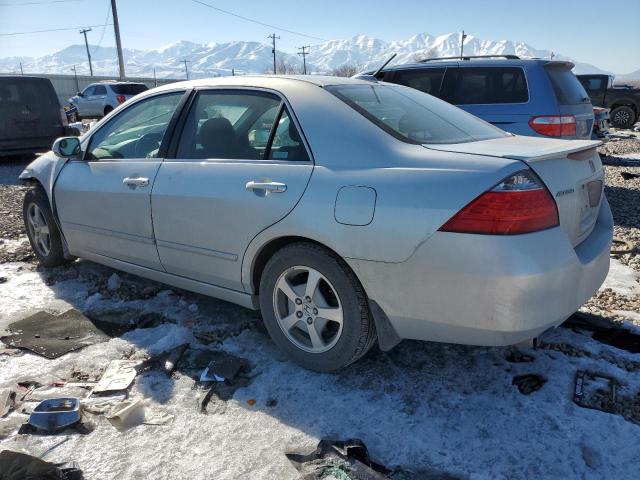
point(489, 290)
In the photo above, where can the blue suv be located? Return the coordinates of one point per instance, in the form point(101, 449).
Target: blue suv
point(523, 96)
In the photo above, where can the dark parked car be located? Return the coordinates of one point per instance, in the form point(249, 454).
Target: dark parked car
point(31, 117)
point(623, 100)
point(532, 97)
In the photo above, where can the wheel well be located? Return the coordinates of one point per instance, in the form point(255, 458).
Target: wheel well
point(268, 250)
point(108, 109)
point(630, 105)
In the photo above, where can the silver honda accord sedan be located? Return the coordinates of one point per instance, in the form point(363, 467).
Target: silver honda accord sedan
point(347, 211)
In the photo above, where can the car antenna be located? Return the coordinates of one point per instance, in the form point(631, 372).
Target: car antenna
point(379, 71)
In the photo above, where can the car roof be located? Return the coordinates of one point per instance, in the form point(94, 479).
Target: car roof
point(479, 62)
point(265, 81)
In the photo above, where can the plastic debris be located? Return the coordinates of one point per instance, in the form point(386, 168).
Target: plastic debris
point(350, 460)
point(118, 376)
point(55, 414)
point(54, 335)
point(20, 466)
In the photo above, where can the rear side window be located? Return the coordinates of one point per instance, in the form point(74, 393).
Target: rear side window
point(129, 88)
point(100, 90)
point(426, 80)
point(414, 117)
point(591, 83)
point(27, 92)
point(568, 89)
point(485, 85)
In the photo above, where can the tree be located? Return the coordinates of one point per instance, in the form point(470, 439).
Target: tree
point(346, 70)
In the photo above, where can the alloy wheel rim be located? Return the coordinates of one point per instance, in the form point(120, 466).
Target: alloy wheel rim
point(308, 309)
point(39, 230)
point(622, 118)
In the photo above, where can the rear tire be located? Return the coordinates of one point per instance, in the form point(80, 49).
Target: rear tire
point(107, 110)
point(300, 284)
point(623, 117)
point(41, 228)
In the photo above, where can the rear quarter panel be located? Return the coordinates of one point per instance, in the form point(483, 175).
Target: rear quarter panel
point(417, 189)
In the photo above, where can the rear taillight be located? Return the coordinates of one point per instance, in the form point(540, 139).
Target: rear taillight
point(120, 98)
point(554, 125)
point(518, 204)
point(63, 118)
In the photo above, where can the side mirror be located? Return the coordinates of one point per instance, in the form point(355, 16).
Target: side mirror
point(66, 147)
point(80, 94)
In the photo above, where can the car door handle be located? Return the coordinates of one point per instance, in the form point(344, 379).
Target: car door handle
point(273, 187)
point(136, 181)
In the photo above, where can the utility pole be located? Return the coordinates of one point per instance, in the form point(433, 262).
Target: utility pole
point(186, 70)
point(21, 71)
point(273, 50)
point(116, 30)
point(462, 44)
point(304, 51)
point(86, 44)
point(552, 55)
point(75, 74)
point(233, 72)
point(155, 80)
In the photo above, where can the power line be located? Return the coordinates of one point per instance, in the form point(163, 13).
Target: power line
point(259, 22)
point(36, 3)
point(104, 29)
point(49, 30)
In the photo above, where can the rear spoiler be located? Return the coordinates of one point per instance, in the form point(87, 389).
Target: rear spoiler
point(555, 152)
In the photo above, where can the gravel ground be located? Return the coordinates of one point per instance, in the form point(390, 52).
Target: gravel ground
point(624, 198)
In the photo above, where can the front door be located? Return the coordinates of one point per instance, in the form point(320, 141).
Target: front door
point(241, 165)
point(104, 200)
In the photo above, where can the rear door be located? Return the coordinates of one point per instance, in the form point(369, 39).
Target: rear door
point(30, 113)
point(571, 96)
point(497, 94)
point(241, 165)
point(104, 200)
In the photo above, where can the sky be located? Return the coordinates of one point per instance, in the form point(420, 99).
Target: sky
point(587, 30)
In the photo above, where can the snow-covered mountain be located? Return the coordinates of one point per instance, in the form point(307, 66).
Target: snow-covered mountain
point(209, 59)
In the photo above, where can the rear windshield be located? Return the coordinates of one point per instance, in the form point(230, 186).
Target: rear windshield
point(27, 91)
point(413, 116)
point(568, 89)
point(129, 88)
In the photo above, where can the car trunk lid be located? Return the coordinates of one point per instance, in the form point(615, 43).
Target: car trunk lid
point(571, 170)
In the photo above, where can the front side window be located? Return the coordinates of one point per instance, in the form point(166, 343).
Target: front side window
point(236, 125)
point(413, 116)
point(100, 90)
point(137, 132)
point(426, 80)
point(89, 91)
point(485, 85)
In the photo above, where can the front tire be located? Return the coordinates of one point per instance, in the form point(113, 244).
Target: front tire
point(623, 117)
point(314, 308)
point(42, 230)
